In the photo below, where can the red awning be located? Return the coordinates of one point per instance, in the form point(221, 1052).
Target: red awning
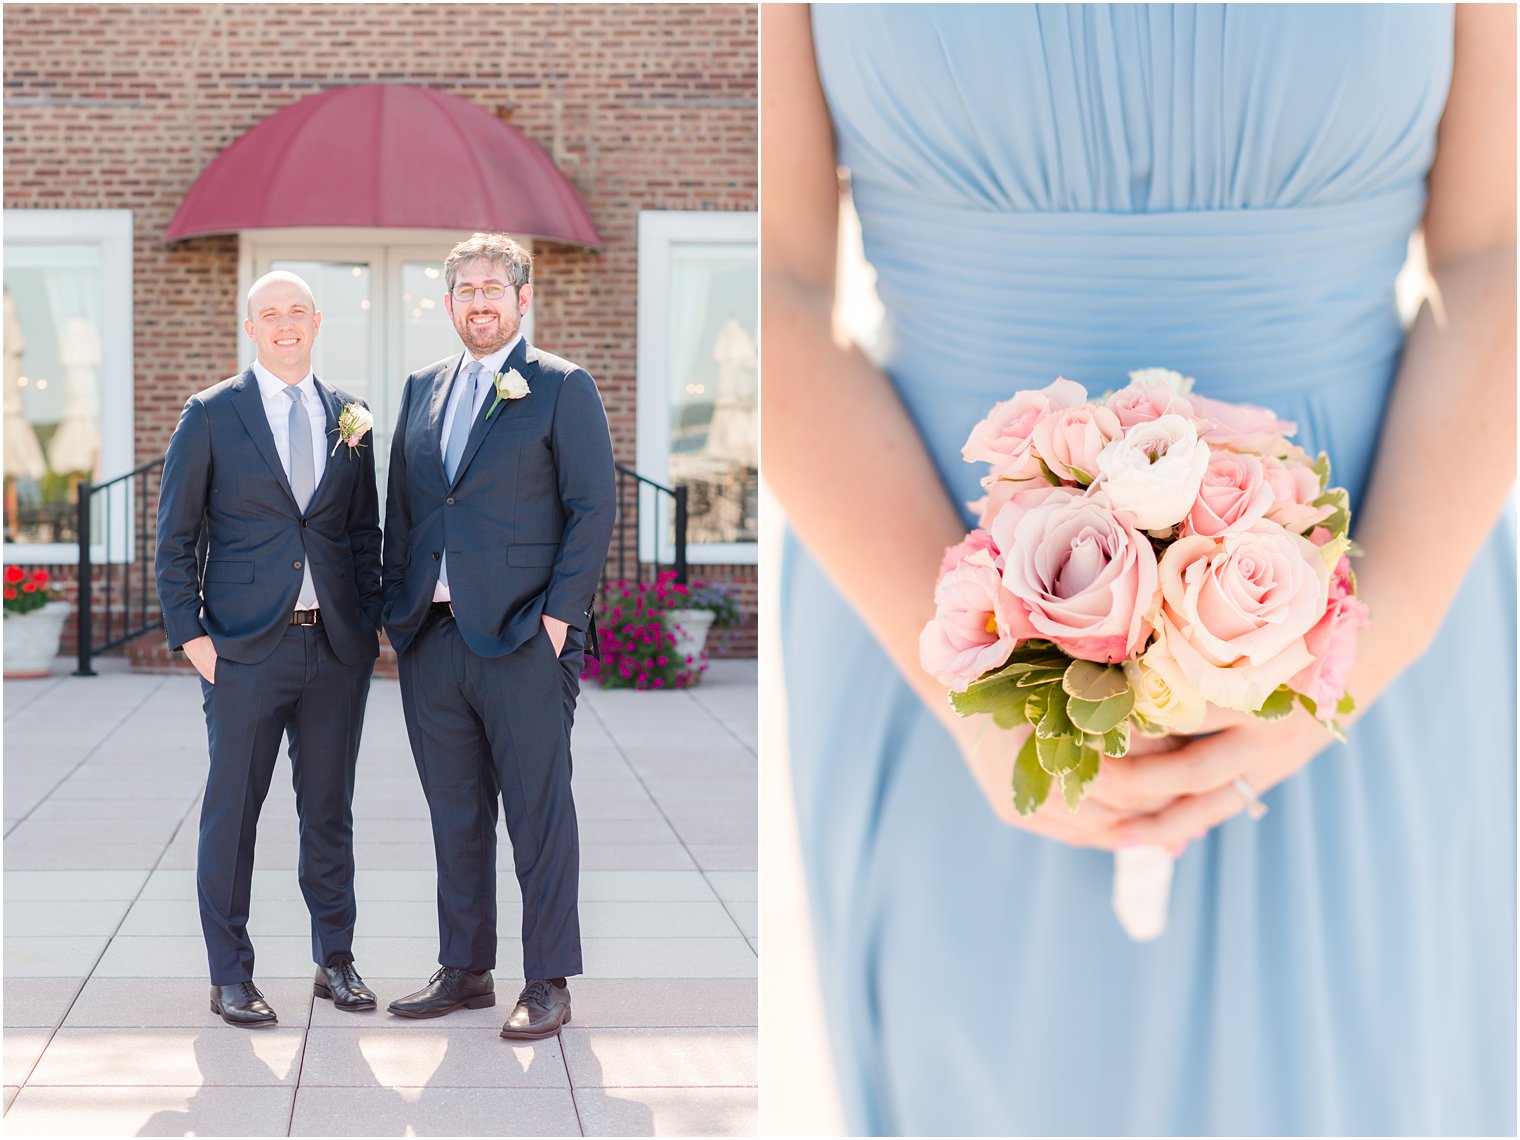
point(389, 156)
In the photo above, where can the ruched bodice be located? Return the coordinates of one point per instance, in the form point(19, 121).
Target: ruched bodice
point(1228, 191)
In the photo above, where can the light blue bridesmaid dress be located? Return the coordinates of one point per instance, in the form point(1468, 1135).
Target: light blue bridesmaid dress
point(1227, 191)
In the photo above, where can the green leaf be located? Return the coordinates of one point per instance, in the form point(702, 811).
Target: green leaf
point(987, 697)
point(1031, 783)
point(1116, 740)
point(1309, 705)
point(1055, 721)
point(1058, 754)
point(1080, 475)
point(1339, 521)
point(1278, 705)
point(1321, 468)
point(1090, 681)
point(1098, 717)
point(1074, 783)
point(1036, 703)
point(1345, 706)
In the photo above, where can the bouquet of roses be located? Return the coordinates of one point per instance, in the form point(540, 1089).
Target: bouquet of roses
point(1138, 559)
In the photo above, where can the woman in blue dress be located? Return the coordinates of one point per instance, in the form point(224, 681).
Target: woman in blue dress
point(1229, 192)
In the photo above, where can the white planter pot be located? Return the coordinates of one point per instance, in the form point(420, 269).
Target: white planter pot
point(690, 629)
point(31, 640)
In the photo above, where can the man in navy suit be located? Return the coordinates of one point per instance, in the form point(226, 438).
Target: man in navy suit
point(281, 622)
point(498, 518)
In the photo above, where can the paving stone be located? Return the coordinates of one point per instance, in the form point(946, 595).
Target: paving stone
point(669, 1112)
point(177, 1003)
point(434, 1112)
point(22, 1048)
point(208, 1110)
point(615, 1058)
point(217, 1054)
point(400, 1053)
point(38, 1003)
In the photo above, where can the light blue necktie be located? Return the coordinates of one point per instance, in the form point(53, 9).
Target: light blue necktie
point(464, 413)
point(303, 476)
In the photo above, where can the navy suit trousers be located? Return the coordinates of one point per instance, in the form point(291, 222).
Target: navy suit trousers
point(484, 728)
point(302, 691)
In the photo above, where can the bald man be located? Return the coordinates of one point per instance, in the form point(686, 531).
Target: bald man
point(278, 470)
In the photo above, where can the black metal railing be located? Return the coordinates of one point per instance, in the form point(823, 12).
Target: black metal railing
point(124, 614)
point(633, 492)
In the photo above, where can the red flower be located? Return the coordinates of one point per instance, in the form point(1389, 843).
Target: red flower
point(42, 577)
point(29, 587)
point(13, 574)
point(10, 593)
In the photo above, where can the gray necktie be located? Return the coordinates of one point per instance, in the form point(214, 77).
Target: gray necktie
point(303, 476)
point(464, 413)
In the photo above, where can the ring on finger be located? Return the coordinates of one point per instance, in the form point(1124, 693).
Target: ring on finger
point(1255, 809)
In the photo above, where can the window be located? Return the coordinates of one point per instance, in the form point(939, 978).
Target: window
point(698, 377)
point(68, 377)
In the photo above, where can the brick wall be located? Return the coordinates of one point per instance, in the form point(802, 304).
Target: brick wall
point(122, 106)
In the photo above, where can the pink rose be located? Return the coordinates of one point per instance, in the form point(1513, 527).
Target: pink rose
point(1071, 438)
point(1295, 486)
point(1005, 438)
point(1333, 644)
point(962, 550)
point(1147, 399)
point(1234, 496)
point(1083, 576)
point(975, 626)
point(1236, 610)
point(1241, 427)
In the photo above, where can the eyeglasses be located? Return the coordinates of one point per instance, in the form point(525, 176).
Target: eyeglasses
point(466, 293)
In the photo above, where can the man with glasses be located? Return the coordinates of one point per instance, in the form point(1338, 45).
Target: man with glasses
point(498, 520)
point(274, 467)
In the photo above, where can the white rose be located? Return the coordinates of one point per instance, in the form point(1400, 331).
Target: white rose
point(510, 385)
point(1163, 696)
point(1179, 384)
point(1154, 471)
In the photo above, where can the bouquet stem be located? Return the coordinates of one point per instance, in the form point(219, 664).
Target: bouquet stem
point(1143, 890)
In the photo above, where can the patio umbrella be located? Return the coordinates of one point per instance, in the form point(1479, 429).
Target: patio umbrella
point(23, 454)
point(75, 446)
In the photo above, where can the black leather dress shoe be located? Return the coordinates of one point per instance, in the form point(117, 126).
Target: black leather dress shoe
point(447, 990)
point(541, 1009)
point(342, 985)
point(241, 1004)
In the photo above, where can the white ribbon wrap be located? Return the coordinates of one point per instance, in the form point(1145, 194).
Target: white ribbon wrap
point(1143, 890)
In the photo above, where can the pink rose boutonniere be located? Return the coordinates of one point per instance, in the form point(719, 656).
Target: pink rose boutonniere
point(354, 423)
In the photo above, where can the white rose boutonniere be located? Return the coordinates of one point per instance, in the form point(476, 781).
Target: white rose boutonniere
point(354, 423)
point(509, 386)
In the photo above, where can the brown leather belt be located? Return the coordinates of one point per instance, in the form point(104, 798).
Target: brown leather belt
point(306, 617)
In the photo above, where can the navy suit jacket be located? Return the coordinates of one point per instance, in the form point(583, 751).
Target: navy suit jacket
point(527, 519)
point(222, 472)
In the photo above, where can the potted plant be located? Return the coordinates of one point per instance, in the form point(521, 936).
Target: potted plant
point(33, 622)
point(696, 610)
point(638, 648)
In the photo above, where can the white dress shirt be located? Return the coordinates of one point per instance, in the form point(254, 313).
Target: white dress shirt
point(484, 386)
point(277, 412)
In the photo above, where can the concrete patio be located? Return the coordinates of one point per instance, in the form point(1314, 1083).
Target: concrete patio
point(107, 1031)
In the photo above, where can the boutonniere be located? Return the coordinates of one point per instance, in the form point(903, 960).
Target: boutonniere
point(354, 422)
point(509, 386)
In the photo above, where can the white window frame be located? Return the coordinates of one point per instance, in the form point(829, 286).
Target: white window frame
point(111, 230)
point(660, 231)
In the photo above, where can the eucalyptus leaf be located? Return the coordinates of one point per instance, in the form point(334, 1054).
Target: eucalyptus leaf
point(989, 697)
point(1058, 754)
point(1039, 677)
point(1055, 721)
point(1074, 782)
point(1116, 740)
point(1097, 717)
point(1031, 783)
point(1090, 681)
point(1278, 705)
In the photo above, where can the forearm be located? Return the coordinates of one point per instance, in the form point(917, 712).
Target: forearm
point(849, 467)
point(1445, 464)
